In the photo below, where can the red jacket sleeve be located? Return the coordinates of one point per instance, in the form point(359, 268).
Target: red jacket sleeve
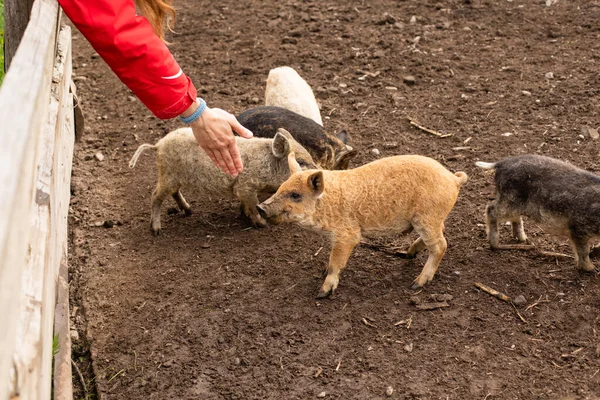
point(130, 47)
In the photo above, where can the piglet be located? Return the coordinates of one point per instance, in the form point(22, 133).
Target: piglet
point(182, 163)
point(389, 196)
point(287, 89)
point(328, 151)
point(563, 199)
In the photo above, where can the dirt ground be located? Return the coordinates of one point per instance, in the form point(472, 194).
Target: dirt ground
point(213, 309)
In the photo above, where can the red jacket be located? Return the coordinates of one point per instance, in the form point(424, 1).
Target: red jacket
point(132, 50)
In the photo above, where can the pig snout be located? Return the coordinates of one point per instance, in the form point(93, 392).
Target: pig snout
point(261, 211)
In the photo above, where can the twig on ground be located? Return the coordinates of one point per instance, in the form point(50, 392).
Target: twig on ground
point(338, 366)
point(406, 322)
point(80, 376)
point(318, 373)
point(553, 254)
point(318, 251)
point(367, 323)
point(493, 292)
point(538, 301)
point(115, 375)
point(416, 125)
point(518, 313)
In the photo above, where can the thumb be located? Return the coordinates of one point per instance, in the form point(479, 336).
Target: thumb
point(239, 129)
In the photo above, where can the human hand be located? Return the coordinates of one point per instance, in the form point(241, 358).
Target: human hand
point(214, 133)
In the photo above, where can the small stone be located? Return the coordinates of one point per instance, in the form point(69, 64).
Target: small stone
point(409, 79)
point(289, 40)
point(255, 100)
point(549, 75)
point(526, 92)
point(389, 391)
point(131, 98)
point(322, 395)
point(507, 134)
point(413, 19)
point(104, 117)
point(442, 297)
point(99, 156)
point(391, 88)
point(591, 132)
point(375, 152)
point(74, 335)
point(519, 300)
point(98, 223)
point(409, 348)
point(168, 364)
point(237, 361)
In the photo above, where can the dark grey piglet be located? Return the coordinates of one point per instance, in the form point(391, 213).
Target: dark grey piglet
point(328, 151)
point(563, 199)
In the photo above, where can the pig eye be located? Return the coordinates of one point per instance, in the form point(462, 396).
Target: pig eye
point(302, 163)
point(295, 196)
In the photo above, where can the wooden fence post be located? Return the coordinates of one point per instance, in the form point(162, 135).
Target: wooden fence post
point(16, 17)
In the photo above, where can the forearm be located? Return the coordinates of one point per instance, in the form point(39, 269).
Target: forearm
point(138, 57)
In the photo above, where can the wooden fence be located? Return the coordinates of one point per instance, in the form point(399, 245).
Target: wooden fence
point(36, 150)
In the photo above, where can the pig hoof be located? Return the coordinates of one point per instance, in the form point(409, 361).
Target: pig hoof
point(416, 286)
point(404, 254)
point(324, 294)
point(188, 211)
point(172, 211)
point(156, 232)
point(260, 224)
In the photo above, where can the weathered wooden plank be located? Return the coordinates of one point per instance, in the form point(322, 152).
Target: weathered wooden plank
point(24, 104)
point(16, 17)
point(61, 195)
point(63, 383)
point(33, 357)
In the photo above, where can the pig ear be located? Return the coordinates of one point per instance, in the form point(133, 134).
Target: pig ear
point(293, 164)
point(281, 146)
point(285, 133)
point(342, 159)
point(343, 136)
point(316, 184)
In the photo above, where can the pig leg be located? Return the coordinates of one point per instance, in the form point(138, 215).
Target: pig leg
point(340, 252)
point(415, 248)
point(159, 195)
point(519, 231)
point(436, 245)
point(581, 247)
point(491, 225)
point(249, 199)
point(493, 216)
point(183, 205)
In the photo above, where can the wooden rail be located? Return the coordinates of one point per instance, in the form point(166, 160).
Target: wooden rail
point(36, 149)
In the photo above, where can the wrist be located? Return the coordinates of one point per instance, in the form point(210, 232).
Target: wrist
point(194, 112)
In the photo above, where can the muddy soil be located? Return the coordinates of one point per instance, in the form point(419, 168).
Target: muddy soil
point(214, 309)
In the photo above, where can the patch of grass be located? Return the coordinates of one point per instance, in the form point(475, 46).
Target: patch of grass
point(1, 41)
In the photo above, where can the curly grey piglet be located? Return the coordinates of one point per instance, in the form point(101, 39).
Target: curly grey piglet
point(182, 163)
point(562, 198)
